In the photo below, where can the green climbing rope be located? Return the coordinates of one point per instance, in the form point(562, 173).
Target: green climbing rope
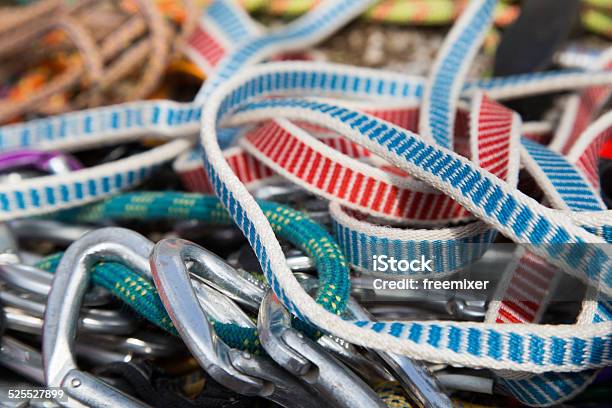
point(140, 293)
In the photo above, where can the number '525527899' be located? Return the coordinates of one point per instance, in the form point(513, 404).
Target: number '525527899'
point(35, 394)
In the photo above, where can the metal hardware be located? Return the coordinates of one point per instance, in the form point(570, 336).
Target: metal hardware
point(64, 301)
point(37, 281)
point(54, 231)
point(415, 378)
point(236, 284)
point(239, 371)
point(308, 361)
point(245, 259)
point(91, 320)
point(218, 306)
point(22, 359)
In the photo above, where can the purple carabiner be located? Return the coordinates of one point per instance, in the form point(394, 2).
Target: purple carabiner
point(48, 162)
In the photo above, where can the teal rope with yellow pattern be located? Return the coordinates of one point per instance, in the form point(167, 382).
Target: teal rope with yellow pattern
point(141, 295)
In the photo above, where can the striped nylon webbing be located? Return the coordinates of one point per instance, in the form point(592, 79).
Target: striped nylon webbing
point(222, 25)
point(232, 96)
point(248, 90)
point(222, 188)
point(495, 201)
point(529, 285)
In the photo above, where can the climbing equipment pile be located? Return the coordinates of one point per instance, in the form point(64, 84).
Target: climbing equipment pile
point(138, 136)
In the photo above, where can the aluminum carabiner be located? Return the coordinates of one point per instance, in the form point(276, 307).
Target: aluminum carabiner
point(103, 321)
point(416, 380)
point(63, 306)
point(9, 250)
point(309, 361)
point(218, 306)
point(48, 230)
point(22, 359)
point(242, 372)
point(236, 284)
point(37, 281)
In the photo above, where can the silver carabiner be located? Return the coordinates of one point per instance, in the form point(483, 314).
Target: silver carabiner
point(417, 381)
point(248, 291)
point(90, 320)
point(37, 281)
point(242, 372)
point(420, 385)
point(142, 343)
point(9, 250)
point(105, 349)
point(297, 260)
point(238, 285)
point(57, 232)
point(63, 305)
point(242, 290)
point(99, 350)
point(22, 359)
point(16, 320)
point(308, 361)
point(367, 368)
point(218, 306)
